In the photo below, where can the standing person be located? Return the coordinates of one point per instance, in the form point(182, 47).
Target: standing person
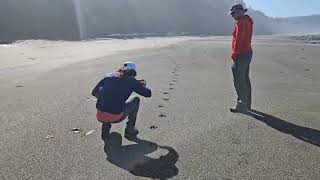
point(241, 56)
point(113, 105)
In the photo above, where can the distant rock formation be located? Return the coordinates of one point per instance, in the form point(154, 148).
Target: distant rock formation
point(296, 25)
point(39, 19)
point(82, 19)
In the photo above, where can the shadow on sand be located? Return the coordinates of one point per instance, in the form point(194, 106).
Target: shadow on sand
point(308, 135)
point(134, 159)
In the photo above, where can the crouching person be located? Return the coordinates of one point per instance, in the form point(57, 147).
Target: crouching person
point(114, 104)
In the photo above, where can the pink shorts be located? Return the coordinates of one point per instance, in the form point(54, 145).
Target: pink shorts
point(106, 117)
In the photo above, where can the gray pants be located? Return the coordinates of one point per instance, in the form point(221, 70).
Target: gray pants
point(241, 79)
point(130, 112)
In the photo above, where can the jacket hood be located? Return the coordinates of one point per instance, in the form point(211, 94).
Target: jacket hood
point(246, 18)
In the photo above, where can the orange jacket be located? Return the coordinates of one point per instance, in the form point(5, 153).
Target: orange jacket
point(241, 36)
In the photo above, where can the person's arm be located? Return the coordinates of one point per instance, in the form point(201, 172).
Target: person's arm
point(240, 37)
point(96, 91)
point(142, 89)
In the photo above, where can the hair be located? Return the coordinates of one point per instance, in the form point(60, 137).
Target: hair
point(128, 72)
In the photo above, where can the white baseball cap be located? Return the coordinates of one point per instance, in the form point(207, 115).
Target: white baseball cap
point(129, 65)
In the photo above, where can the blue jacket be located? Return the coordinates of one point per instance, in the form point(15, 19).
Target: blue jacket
point(113, 91)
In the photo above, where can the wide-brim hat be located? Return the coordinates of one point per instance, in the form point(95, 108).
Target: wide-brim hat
point(237, 7)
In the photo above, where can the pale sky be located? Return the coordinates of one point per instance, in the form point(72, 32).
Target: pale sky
point(285, 8)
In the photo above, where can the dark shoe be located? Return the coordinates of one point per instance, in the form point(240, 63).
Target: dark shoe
point(131, 133)
point(239, 110)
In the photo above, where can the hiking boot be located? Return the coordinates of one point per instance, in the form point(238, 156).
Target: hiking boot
point(239, 109)
point(131, 133)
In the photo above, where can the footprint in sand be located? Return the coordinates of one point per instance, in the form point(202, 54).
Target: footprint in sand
point(92, 99)
point(171, 88)
point(19, 86)
point(166, 99)
point(307, 69)
point(165, 93)
point(243, 162)
point(171, 84)
point(161, 106)
point(153, 127)
point(236, 141)
point(162, 115)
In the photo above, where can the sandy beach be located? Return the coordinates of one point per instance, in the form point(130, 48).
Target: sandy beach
point(45, 93)
point(43, 51)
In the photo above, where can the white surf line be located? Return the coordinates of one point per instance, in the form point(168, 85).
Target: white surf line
point(11, 67)
point(310, 93)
